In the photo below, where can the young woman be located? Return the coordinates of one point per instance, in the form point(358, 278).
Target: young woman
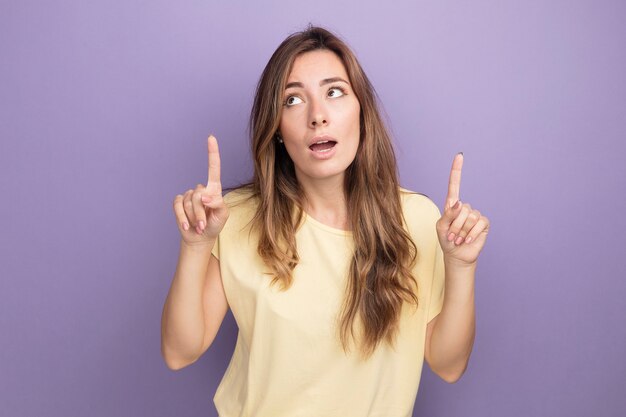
point(335, 275)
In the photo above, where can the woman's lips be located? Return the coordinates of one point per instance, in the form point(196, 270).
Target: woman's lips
point(323, 146)
point(323, 150)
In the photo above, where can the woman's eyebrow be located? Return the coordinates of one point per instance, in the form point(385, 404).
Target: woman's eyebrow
point(332, 80)
point(323, 82)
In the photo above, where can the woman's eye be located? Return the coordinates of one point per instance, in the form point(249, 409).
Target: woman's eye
point(291, 100)
point(338, 92)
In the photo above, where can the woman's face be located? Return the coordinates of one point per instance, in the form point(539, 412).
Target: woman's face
point(320, 118)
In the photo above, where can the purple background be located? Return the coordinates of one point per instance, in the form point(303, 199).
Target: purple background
point(105, 109)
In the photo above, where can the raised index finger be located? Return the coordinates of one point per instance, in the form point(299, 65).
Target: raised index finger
point(454, 185)
point(214, 161)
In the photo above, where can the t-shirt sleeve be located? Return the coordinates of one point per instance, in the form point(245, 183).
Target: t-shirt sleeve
point(438, 284)
point(216, 248)
point(422, 214)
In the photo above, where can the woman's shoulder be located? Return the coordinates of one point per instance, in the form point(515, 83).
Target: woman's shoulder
point(241, 203)
point(418, 204)
point(242, 195)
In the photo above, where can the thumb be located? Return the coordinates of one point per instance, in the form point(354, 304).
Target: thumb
point(451, 212)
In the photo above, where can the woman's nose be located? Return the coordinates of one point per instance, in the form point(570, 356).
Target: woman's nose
point(319, 115)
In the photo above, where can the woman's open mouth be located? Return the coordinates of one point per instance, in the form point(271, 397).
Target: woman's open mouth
point(323, 146)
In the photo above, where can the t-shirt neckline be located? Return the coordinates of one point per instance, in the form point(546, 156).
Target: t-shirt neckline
point(320, 225)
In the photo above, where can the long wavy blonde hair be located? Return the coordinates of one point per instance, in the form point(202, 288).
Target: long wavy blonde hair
point(380, 277)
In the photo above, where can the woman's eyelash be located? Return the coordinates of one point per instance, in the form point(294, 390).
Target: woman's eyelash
point(336, 87)
point(343, 90)
point(286, 102)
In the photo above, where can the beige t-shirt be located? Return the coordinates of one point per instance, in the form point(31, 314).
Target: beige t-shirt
point(288, 360)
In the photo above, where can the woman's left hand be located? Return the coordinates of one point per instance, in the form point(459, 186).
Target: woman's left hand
point(462, 230)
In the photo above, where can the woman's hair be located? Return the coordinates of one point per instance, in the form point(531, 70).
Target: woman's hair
point(380, 272)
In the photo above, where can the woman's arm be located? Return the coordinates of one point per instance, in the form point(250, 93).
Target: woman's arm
point(196, 303)
point(450, 335)
point(462, 233)
point(194, 309)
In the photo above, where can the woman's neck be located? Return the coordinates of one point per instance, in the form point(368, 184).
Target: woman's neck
point(325, 201)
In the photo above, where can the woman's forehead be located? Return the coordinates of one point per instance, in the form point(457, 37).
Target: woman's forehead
point(316, 65)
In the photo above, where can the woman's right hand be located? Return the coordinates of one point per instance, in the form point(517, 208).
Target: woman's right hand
point(201, 213)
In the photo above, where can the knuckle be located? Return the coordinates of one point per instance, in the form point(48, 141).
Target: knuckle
point(195, 196)
point(183, 216)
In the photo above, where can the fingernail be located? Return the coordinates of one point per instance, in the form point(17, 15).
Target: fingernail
point(468, 240)
point(185, 226)
point(460, 153)
point(206, 199)
point(201, 224)
point(459, 240)
point(451, 237)
point(456, 205)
